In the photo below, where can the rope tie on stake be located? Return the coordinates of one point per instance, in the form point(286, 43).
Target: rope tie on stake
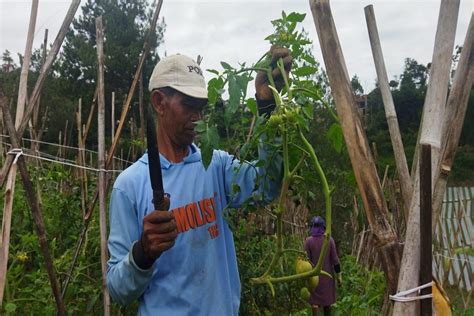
point(400, 296)
point(17, 152)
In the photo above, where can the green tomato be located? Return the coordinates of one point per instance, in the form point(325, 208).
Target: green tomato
point(302, 266)
point(275, 120)
point(305, 294)
point(313, 282)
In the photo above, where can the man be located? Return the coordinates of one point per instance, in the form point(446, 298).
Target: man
point(180, 260)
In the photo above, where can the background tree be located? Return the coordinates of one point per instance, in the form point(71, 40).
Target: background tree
point(356, 86)
point(126, 24)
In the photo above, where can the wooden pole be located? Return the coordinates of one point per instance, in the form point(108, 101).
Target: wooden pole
point(435, 101)
point(454, 118)
point(356, 141)
point(101, 158)
point(390, 113)
point(10, 188)
point(42, 77)
point(35, 210)
point(425, 227)
point(110, 155)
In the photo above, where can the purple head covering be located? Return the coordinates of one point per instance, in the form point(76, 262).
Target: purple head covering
point(318, 226)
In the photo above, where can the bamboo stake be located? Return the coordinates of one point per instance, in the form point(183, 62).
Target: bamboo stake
point(437, 91)
point(113, 115)
point(425, 233)
point(142, 114)
point(89, 118)
point(356, 141)
point(101, 159)
point(35, 210)
point(34, 128)
point(42, 77)
point(80, 160)
point(410, 265)
point(391, 115)
point(10, 189)
point(110, 155)
point(455, 113)
point(112, 125)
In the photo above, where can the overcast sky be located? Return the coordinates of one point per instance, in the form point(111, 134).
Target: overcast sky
point(234, 30)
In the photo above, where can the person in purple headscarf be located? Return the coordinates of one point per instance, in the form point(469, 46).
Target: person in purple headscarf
point(324, 295)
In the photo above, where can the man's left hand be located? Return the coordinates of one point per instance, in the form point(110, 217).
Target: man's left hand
point(263, 92)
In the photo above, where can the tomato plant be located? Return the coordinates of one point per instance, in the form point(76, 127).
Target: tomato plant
point(236, 126)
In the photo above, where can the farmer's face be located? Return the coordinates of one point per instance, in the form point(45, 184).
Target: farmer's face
point(178, 116)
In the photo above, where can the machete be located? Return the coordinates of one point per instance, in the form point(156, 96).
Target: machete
point(154, 165)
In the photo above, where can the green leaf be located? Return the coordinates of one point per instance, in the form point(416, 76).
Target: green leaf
point(296, 17)
point(252, 105)
point(234, 99)
point(209, 139)
point(200, 126)
point(335, 136)
point(213, 71)
point(235, 188)
point(226, 66)
point(304, 71)
point(214, 88)
point(10, 308)
point(308, 110)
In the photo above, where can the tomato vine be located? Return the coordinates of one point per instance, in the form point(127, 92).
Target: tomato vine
point(236, 126)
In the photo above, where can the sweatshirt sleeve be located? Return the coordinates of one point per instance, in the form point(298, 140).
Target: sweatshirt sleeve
point(125, 280)
point(260, 179)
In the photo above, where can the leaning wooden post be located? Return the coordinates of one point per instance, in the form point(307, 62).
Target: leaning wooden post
point(425, 236)
point(110, 156)
point(435, 101)
point(390, 113)
point(356, 141)
point(42, 77)
point(102, 175)
point(10, 188)
point(455, 112)
point(35, 208)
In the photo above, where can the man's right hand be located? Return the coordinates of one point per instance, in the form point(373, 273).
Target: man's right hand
point(159, 234)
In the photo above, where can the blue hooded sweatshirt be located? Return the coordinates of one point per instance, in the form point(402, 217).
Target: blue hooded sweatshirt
point(198, 275)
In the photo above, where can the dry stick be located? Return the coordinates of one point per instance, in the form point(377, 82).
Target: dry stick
point(439, 79)
point(89, 118)
point(41, 78)
point(425, 233)
point(112, 126)
point(35, 209)
point(34, 119)
point(110, 156)
point(80, 161)
point(391, 115)
point(356, 141)
point(142, 114)
point(10, 189)
point(455, 112)
point(101, 159)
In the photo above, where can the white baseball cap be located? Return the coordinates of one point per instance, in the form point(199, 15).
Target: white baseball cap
point(180, 73)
